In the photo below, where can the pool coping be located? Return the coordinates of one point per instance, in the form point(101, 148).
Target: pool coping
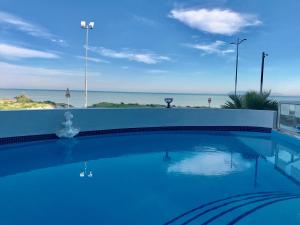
point(40, 137)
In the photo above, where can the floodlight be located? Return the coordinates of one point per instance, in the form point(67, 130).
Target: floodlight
point(91, 25)
point(83, 24)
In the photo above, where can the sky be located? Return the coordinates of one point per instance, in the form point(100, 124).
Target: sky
point(150, 46)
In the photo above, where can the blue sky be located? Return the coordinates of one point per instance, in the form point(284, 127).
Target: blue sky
point(155, 46)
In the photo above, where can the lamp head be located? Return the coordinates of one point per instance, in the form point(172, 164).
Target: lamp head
point(168, 100)
point(91, 25)
point(83, 24)
point(242, 40)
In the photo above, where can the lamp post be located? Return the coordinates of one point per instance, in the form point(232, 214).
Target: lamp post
point(262, 71)
point(68, 96)
point(87, 27)
point(237, 43)
point(168, 101)
point(209, 101)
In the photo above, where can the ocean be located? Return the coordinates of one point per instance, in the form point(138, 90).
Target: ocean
point(77, 97)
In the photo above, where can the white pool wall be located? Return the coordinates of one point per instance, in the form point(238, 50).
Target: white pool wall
point(35, 122)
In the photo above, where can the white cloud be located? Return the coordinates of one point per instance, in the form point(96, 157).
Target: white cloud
point(228, 51)
point(216, 21)
point(157, 71)
point(60, 42)
point(92, 59)
point(9, 20)
point(14, 52)
point(144, 20)
point(13, 69)
point(143, 57)
point(216, 47)
point(19, 76)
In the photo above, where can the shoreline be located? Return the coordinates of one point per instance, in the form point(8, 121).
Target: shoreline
point(25, 102)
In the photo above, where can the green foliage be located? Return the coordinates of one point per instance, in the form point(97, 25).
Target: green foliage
point(24, 102)
point(124, 105)
point(234, 103)
point(23, 99)
point(251, 100)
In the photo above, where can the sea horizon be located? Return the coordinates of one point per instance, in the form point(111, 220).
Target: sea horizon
point(77, 97)
point(148, 92)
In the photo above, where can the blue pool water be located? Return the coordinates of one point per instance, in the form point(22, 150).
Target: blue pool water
point(152, 178)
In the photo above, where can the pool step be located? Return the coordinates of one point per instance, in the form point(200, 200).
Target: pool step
point(237, 206)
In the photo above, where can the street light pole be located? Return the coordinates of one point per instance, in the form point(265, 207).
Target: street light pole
point(236, 65)
point(237, 43)
point(262, 71)
point(87, 27)
point(85, 71)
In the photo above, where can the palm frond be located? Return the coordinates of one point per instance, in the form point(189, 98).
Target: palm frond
point(235, 102)
point(251, 100)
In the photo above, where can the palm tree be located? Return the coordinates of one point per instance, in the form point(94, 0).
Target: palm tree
point(251, 100)
point(234, 103)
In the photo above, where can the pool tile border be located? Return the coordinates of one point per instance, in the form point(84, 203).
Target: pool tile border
point(40, 137)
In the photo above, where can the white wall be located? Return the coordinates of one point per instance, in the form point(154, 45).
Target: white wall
point(32, 122)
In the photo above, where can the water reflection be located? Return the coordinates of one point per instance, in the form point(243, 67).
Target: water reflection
point(67, 146)
point(85, 172)
point(256, 171)
point(283, 155)
point(287, 161)
point(166, 157)
point(211, 163)
point(205, 154)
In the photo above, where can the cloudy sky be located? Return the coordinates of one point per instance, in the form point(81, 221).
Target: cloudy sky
point(153, 46)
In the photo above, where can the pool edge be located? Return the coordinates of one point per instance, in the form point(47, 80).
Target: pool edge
point(40, 137)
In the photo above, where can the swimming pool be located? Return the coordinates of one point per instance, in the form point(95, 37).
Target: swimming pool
point(149, 178)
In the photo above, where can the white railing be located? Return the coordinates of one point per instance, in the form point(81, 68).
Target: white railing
point(289, 116)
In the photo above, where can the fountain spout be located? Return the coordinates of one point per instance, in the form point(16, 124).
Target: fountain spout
point(68, 131)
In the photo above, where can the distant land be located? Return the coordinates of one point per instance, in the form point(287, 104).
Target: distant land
point(24, 102)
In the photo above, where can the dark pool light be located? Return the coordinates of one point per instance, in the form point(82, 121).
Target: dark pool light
point(168, 101)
